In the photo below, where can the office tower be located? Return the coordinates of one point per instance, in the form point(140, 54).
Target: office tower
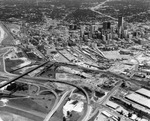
point(120, 25)
point(110, 36)
point(75, 27)
point(85, 38)
point(100, 29)
point(107, 36)
point(71, 26)
point(104, 38)
point(99, 35)
point(106, 25)
point(125, 34)
point(130, 35)
point(92, 29)
point(82, 29)
point(120, 21)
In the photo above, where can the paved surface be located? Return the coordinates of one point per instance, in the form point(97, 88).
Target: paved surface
point(51, 113)
point(104, 101)
point(98, 6)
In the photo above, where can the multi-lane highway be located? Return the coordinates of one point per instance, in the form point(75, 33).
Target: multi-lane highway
point(94, 9)
point(51, 113)
point(40, 79)
point(106, 98)
point(99, 5)
point(22, 75)
point(55, 108)
point(104, 101)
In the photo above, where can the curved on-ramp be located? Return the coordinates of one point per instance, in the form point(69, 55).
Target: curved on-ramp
point(63, 97)
point(56, 81)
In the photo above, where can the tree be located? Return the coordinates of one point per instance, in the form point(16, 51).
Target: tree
point(140, 114)
point(123, 85)
point(119, 119)
point(130, 106)
point(68, 113)
point(129, 115)
point(64, 119)
point(121, 112)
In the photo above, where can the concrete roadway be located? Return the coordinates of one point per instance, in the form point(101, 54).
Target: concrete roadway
point(123, 77)
point(34, 113)
point(98, 6)
point(103, 102)
point(54, 80)
point(51, 113)
point(111, 93)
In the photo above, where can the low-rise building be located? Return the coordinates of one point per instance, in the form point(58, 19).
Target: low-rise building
point(139, 99)
point(112, 105)
point(105, 113)
point(144, 92)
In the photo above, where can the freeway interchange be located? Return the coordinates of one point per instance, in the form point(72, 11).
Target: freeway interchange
point(43, 82)
point(40, 80)
point(58, 103)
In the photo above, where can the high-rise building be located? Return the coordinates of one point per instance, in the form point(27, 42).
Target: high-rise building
point(120, 26)
point(71, 26)
point(125, 34)
point(82, 29)
point(92, 29)
point(106, 25)
point(120, 21)
point(104, 38)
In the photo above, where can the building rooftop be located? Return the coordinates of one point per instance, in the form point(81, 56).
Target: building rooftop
point(112, 104)
point(139, 99)
point(144, 92)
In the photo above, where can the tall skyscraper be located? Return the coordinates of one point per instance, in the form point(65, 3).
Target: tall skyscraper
point(120, 21)
point(82, 29)
point(125, 34)
point(104, 38)
point(106, 25)
point(120, 25)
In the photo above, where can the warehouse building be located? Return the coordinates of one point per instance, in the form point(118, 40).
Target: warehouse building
point(112, 105)
point(144, 92)
point(139, 99)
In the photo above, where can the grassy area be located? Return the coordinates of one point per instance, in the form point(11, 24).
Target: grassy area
point(27, 104)
point(3, 50)
point(99, 94)
point(12, 63)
